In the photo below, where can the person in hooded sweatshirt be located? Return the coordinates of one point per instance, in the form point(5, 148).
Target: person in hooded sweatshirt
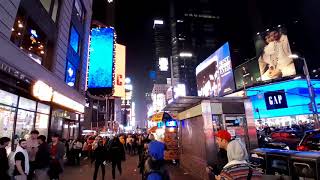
point(237, 167)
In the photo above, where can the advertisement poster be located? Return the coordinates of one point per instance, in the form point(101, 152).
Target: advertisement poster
point(120, 71)
point(273, 51)
point(100, 73)
point(215, 75)
point(247, 74)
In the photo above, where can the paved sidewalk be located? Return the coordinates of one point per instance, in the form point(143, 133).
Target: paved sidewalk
point(129, 168)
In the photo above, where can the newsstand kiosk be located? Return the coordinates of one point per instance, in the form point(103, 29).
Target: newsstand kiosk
point(200, 118)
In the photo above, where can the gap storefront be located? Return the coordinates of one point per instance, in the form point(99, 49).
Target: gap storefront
point(283, 103)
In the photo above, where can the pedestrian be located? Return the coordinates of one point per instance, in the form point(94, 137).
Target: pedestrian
point(154, 165)
point(57, 151)
point(237, 167)
point(77, 148)
point(99, 158)
point(223, 137)
point(117, 153)
point(4, 162)
point(32, 148)
point(129, 144)
point(42, 160)
point(21, 161)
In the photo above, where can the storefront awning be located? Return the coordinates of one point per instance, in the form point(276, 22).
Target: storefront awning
point(182, 103)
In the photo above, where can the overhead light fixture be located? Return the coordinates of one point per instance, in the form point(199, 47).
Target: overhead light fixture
point(42, 52)
point(20, 25)
point(185, 54)
point(258, 33)
point(268, 29)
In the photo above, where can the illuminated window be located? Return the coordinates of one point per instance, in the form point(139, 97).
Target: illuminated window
point(74, 39)
point(29, 38)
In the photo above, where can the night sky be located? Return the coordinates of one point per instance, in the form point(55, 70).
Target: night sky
point(134, 30)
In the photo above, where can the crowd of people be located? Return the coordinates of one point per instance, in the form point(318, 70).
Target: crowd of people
point(37, 159)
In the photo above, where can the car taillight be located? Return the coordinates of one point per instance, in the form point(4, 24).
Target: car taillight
point(302, 148)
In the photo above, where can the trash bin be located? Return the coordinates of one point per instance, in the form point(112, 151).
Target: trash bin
point(273, 161)
point(305, 165)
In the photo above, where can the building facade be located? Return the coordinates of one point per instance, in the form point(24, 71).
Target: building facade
point(161, 43)
point(44, 48)
point(194, 31)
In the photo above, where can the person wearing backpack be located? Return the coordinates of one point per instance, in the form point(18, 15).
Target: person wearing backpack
point(4, 162)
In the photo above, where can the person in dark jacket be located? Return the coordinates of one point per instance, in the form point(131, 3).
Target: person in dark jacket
point(42, 161)
point(4, 163)
point(117, 153)
point(57, 151)
point(99, 157)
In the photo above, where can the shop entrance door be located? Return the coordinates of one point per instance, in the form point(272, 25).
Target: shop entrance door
point(70, 129)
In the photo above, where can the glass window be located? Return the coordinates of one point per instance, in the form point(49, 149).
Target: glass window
point(79, 9)
point(74, 39)
point(56, 123)
point(28, 36)
point(46, 4)
point(70, 75)
point(25, 121)
point(8, 98)
point(27, 104)
point(41, 125)
point(42, 108)
point(55, 10)
point(6, 121)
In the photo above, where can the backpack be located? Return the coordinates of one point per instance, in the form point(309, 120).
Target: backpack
point(12, 163)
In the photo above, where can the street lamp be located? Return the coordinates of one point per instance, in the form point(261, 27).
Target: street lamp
point(310, 88)
point(181, 54)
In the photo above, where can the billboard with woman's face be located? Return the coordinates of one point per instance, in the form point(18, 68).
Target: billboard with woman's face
point(274, 51)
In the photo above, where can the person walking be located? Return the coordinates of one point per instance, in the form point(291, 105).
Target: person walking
point(4, 162)
point(32, 148)
point(21, 161)
point(57, 151)
point(223, 138)
point(117, 153)
point(99, 157)
point(77, 148)
point(237, 167)
point(42, 160)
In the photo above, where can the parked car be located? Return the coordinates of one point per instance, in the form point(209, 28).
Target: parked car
point(310, 141)
point(284, 139)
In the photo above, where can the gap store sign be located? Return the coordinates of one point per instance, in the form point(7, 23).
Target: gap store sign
point(287, 98)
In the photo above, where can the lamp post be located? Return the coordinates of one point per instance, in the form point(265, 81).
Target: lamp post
point(310, 88)
point(183, 55)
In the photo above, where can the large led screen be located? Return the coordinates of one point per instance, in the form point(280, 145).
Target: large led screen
point(101, 58)
point(273, 51)
point(247, 74)
point(214, 75)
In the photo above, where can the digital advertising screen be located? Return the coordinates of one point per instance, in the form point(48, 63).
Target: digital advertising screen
point(273, 50)
point(100, 75)
point(214, 75)
point(70, 75)
point(247, 74)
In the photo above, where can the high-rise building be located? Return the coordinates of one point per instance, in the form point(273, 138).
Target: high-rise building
point(194, 36)
point(162, 49)
point(43, 66)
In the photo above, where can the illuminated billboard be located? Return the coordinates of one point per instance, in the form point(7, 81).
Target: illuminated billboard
point(247, 74)
point(273, 51)
point(120, 71)
point(100, 74)
point(214, 75)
